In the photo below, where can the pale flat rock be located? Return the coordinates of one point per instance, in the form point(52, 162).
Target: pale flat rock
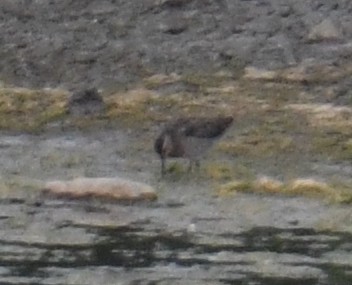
point(108, 188)
point(326, 30)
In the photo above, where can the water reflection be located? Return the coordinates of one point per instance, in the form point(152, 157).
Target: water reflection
point(262, 255)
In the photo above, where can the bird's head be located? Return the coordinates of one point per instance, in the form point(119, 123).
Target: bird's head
point(163, 146)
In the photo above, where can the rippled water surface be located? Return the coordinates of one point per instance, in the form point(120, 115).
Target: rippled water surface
point(60, 242)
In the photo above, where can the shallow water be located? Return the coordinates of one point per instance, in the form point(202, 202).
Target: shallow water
point(188, 236)
point(87, 242)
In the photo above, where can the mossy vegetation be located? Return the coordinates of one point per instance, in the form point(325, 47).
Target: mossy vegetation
point(176, 170)
point(306, 73)
point(29, 110)
point(220, 171)
point(306, 187)
point(131, 108)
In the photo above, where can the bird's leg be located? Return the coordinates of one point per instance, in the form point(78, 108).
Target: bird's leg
point(197, 164)
point(163, 166)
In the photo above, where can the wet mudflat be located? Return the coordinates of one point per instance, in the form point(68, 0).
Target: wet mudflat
point(188, 236)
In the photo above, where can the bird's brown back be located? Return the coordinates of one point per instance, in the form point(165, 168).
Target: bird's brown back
point(206, 127)
point(174, 132)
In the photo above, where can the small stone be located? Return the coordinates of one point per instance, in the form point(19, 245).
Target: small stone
point(285, 11)
point(174, 25)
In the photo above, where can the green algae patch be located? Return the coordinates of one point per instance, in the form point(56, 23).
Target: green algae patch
point(29, 110)
point(233, 187)
point(219, 171)
point(257, 145)
point(176, 168)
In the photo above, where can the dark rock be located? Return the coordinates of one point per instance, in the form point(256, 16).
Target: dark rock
point(174, 25)
point(174, 3)
point(86, 102)
point(285, 11)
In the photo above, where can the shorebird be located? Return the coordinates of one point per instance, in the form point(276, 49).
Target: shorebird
point(190, 138)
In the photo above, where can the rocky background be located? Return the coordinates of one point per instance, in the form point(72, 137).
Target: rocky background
point(113, 43)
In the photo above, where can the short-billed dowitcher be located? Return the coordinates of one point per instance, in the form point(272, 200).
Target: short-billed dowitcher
point(190, 138)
